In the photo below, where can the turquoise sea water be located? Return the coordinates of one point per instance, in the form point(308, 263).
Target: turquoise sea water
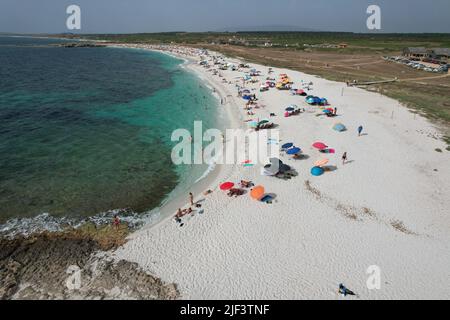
point(87, 130)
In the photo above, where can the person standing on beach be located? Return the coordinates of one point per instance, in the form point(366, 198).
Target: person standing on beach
point(191, 198)
point(116, 222)
point(344, 158)
point(335, 111)
point(360, 129)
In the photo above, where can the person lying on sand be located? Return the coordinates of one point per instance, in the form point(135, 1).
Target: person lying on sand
point(344, 291)
point(235, 192)
point(246, 184)
point(178, 216)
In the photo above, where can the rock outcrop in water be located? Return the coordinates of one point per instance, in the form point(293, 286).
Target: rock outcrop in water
point(41, 267)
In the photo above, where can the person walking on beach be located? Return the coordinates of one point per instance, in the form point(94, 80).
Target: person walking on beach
point(335, 111)
point(360, 129)
point(191, 198)
point(344, 158)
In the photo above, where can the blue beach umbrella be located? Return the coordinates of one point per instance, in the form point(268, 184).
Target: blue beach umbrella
point(287, 145)
point(339, 127)
point(317, 171)
point(293, 151)
point(310, 100)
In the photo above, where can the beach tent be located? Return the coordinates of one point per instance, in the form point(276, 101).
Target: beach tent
point(320, 145)
point(226, 186)
point(257, 193)
point(293, 151)
point(317, 171)
point(339, 127)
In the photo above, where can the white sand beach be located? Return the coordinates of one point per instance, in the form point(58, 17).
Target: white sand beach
point(387, 206)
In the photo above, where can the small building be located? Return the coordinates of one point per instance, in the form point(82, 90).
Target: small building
point(442, 54)
point(415, 52)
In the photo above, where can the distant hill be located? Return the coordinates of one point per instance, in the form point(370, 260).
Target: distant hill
point(267, 28)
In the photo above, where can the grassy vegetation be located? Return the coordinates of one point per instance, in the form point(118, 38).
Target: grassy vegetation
point(356, 41)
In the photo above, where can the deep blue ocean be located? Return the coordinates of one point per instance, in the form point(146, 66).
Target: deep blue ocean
point(87, 130)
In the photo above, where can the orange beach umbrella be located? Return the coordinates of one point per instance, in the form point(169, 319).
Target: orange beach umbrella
point(321, 163)
point(257, 192)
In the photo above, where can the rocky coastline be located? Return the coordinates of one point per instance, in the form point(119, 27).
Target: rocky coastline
point(75, 264)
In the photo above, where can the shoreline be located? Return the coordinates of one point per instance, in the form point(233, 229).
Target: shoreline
point(44, 222)
point(170, 205)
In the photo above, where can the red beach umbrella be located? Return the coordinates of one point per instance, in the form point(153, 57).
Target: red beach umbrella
point(320, 145)
point(226, 186)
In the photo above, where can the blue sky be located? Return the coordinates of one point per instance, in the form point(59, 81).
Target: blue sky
point(128, 16)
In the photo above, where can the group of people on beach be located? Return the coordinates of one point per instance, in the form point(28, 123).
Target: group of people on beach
point(184, 212)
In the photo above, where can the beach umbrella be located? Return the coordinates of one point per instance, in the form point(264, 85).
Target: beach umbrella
point(226, 186)
point(270, 170)
point(275, 161)
point(293, 151)
point(339, 127)
point(257, 192)
point(287, 145)
point(321, 163)
point(312, 100)
point(263, 122)
point(320, 145)
point(317, 171)
point(284, 168)
point(253, 124)
point(323, 101)
point(290, 109)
